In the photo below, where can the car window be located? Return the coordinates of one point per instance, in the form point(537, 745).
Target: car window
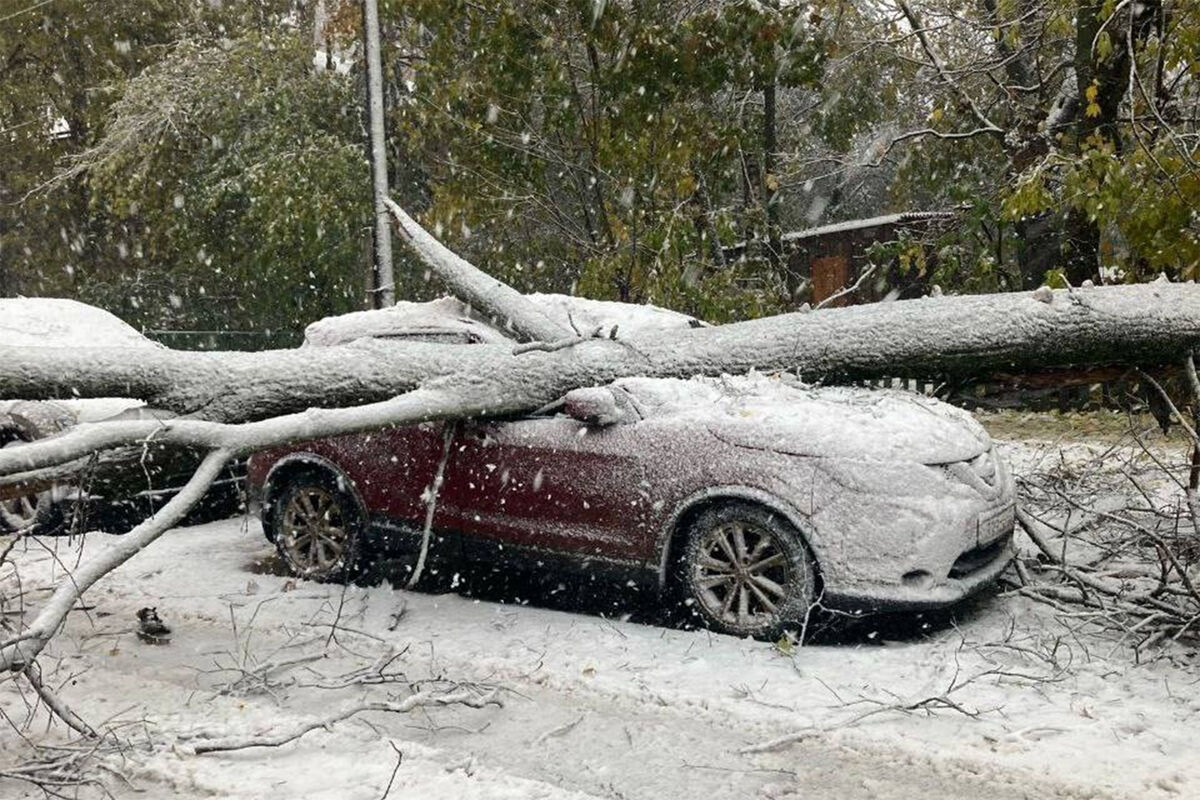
point(435, 337)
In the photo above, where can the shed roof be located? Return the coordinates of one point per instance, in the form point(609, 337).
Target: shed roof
point(870, 222)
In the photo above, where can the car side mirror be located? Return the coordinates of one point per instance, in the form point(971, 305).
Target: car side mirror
point(594, 406)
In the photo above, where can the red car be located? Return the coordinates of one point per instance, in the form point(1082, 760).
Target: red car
point(748, 499)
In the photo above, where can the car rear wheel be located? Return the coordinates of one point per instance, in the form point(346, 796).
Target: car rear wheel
point(746, 572)
point(316, 528)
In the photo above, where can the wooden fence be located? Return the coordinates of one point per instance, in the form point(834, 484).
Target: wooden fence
point(1061, 392)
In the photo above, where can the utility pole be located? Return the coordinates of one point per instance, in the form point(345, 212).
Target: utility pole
point(770, 181)
point(385, 279)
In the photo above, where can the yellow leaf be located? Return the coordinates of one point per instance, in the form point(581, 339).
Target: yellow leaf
point(1093, 110)
point(1092, 92)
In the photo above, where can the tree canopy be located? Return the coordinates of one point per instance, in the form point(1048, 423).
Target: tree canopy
point(199, 165)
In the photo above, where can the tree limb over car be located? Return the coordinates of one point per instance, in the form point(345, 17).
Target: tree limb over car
point(1147, 324)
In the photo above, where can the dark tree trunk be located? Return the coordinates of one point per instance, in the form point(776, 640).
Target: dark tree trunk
point(1039, 248)
point(770, 182)
point(1102, 81)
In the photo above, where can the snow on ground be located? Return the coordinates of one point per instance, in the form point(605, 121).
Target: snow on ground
point(597, 707)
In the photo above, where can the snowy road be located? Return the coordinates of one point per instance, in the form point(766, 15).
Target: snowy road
point(599, 708)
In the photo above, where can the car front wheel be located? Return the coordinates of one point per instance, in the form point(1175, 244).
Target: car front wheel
point(316, 526)
point(37, 513)
point(19, 514)
point(746, 572)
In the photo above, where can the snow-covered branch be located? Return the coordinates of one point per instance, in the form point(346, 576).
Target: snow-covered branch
point(19, 652)
point(424, 699)
point(472, 285)
point(938, 64)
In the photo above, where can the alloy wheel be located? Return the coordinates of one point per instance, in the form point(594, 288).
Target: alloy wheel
point(314, 532)
point(741, 575)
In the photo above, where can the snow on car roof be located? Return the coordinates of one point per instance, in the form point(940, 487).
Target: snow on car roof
point(444, 315)
point(58, 322)
point(630, 318)
point(448, 315)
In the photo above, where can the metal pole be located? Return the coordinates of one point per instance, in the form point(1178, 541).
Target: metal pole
point(385, 281)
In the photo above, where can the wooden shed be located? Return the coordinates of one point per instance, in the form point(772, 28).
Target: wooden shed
point(833, 256)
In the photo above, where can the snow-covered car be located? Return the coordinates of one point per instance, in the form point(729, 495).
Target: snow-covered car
point(120, 487)
point(747, 499)
point(450, 321)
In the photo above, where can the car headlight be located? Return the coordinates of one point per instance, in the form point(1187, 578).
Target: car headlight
point(985, 473)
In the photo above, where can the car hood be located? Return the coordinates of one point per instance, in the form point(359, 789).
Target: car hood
point(784, 416)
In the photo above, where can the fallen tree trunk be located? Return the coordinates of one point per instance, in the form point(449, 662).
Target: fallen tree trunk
point(1145, 325)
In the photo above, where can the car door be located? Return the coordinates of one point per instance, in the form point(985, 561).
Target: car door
point(548, 483)
point(392, 467)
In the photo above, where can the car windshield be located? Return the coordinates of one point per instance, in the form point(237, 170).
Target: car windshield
point(439, 337)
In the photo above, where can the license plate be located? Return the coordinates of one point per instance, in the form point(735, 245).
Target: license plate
point(994, 525)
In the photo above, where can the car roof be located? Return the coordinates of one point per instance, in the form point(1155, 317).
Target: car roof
point(438, 320)
point(58, 322)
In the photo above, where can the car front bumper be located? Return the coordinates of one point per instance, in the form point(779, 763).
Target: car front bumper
point(888, 550)
point(901, 597)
